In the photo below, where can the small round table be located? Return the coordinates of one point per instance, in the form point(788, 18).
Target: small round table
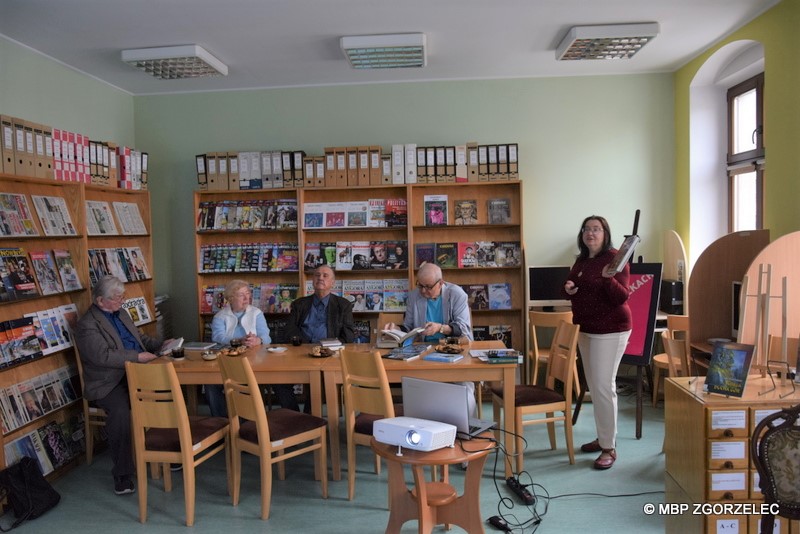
point(431, 502)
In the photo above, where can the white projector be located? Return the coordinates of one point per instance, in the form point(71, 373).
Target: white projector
point(413, 433)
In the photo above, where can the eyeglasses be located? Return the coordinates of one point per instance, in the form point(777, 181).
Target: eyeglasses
point(430, 287)
point(593, 230)
point(117, 298)
point(242, 295)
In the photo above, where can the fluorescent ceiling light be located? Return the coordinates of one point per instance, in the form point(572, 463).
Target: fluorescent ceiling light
point(614, 41)
point(391, 51)
point(173, 62)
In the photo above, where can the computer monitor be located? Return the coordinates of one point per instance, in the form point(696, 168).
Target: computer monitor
point(545, 284)
point(736, 292)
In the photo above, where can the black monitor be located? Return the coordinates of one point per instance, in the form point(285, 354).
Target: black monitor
point(736, 291)
point(545, 284)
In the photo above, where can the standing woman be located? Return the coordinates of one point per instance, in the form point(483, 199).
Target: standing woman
point(599, 305)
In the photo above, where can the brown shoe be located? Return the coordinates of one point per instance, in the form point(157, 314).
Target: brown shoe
point(606, 459)
point(592, 446)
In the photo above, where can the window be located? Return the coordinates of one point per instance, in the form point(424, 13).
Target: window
point(746, 155)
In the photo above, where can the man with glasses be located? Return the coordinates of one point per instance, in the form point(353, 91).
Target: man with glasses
point(441, 308)
point(107, 338)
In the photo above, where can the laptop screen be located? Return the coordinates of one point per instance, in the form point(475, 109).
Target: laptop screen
point(436, 401)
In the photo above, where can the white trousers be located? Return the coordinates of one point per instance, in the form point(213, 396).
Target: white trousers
point(601, 354)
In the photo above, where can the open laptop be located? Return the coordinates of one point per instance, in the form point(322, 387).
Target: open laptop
point(442, 402)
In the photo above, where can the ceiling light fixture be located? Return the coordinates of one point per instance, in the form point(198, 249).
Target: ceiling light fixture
point(174, 62)
point(613, 41)
point(389, 51)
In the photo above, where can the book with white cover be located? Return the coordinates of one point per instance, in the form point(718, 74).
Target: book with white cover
point(623, 254)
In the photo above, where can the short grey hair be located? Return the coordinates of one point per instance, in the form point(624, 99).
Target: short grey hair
point(233, 286)
point(108, 287)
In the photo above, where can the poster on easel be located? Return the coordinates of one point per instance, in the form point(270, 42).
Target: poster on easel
point(645, 286)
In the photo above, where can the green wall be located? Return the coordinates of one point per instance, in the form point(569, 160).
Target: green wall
point(587, 145)
point(777, 31)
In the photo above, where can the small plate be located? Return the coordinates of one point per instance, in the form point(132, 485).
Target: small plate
point(210, 356)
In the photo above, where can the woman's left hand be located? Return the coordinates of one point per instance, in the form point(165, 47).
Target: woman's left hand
point(607, 273)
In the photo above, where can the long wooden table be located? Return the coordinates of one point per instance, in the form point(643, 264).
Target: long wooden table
point(295, 366)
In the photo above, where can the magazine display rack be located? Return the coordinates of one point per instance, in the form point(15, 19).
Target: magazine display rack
point(56, 221)
point(334, 216)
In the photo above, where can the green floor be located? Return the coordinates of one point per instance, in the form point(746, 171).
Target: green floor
point(581, 498)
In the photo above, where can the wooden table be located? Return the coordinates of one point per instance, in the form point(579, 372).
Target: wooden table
point(466, 370)
point(434, 503)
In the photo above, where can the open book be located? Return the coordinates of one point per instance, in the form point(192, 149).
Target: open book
point(624, 254)
point(167, 347)
point(398, 338)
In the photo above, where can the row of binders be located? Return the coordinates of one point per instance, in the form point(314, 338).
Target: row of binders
point(357, 166)
point(41, 151)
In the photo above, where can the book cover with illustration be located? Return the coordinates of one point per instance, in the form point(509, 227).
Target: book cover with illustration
point(500, 296)
point(287, 293)
point(447, 255)
point(17, 275)
point(484, 253)
point(728, 368)
point(435, 209)
point(344, 256)
point(466, 212)
point(66, 270)
point(312, 257)
point(467, 256)
point(477, 296)
point(376, 216)
point(327, 251)
point(395, 294)
point(313, 215)
point(507, 254)
point(46, 272)
point(499, 210)
point(335, 215)
point(501, 332)
point(480, 332)
point(424, 253)
point(357, 213)
point(362, 331)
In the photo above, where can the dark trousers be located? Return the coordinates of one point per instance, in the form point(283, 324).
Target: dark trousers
point(215, 397)
point(117, 405)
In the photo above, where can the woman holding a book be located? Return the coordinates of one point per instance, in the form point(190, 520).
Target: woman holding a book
point(599, 305)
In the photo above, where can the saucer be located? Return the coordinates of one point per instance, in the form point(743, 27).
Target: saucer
point(210, 355)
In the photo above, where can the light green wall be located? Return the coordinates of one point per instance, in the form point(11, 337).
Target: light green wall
point(587, 145)
point(37, 89)
point(777, 31)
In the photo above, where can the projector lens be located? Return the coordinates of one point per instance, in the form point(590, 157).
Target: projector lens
point(413, 438)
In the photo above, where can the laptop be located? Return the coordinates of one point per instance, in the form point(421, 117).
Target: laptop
point(442, 402)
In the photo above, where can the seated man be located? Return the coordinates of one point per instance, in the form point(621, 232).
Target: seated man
point(107, 338)
point(442, 308)
point(321, 315)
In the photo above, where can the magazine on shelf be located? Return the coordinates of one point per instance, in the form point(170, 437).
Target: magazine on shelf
point(395, 294)
point(130, 220)
point(435, 207)
point(66, 270)
point(728, 368)
point(138, 310)
point(376, 217)
point(54, 215)
point(99, 220)
point(624, 254)
point(466, 212)
point(447, 255)
point(499, 296)
point(499, 210)
point(424, 253)
point(357, 213)
point(46, 272)
point(17, 275)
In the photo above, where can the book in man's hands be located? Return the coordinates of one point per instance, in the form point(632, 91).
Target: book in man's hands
point(409, 352)
point(398, 338)
point(623, 254)
point(168, 347)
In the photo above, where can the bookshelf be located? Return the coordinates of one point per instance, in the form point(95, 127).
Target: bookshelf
point(415, 231)
point(62, 356)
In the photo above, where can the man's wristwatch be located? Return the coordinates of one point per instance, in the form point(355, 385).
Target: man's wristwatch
point(441, 329)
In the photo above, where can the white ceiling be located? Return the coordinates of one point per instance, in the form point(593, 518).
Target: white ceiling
point(291, 43)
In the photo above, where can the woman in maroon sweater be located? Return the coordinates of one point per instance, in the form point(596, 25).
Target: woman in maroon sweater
point(599, 305)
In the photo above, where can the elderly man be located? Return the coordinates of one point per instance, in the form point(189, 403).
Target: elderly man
point(107, 338)
point(441, 308)
point(319, 316)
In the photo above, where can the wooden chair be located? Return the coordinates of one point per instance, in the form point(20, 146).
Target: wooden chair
point(534, 399)
point(274, 438)
point(773, 450)
point(93, 417)
point(677, 329)
point(775, 346)
point(164, 433)
point(367, 398)
point(539, 356)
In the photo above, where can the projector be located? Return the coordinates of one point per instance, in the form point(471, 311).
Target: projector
point(413, 433)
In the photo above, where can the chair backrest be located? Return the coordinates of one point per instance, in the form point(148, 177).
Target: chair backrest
point(563, 353)
point(775, 347)
point(677, 359)
point(543, 319)
point(157, 400)
point(243, 395)
point(773, 449)
point(366, 386)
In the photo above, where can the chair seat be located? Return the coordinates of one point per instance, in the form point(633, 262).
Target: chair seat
point(166, 439)
point(365, 421)
point(531, 395)
point(283, 423)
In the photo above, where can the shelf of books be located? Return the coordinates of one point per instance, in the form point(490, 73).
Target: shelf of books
point(46, 283)
point(374, 237)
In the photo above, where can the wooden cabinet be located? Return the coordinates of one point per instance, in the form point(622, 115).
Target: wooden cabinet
point(414, 232)
point(707, 451)
point(74, 196)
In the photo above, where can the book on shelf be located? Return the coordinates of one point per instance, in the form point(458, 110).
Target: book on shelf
point(435, 210)
point(286, 218)
point(395, 294)
point(424, 253)
point(313, 256)
point(447, 255)
point(362, 330)
point(480, 332)
point(442, 357)
point(66, 270)
point(397, 254)
point(408, 352)
point(54, 215)
point(378, 254)
point(357, 213)
point(46, 272)
point(477, 296)
point(361, 254)
point(396, 212)
point(376, 216)
point(623, 254)
point(15, 216)
point(335, 215)
point(466, 212)
point(498, 210)
point(287, 293)
point(501, 332)
point(353, 290)
point(99, 220)
point(54, 444)
point(138, 310)
point(484, 254)
point(728, 368)
point(466, 254)
point(313, 215)
point(130, 220)
point(507, 254)
point(344, 256)
point(499, 296)
point(16, 274)
point(327, 251)
point(67, 315)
